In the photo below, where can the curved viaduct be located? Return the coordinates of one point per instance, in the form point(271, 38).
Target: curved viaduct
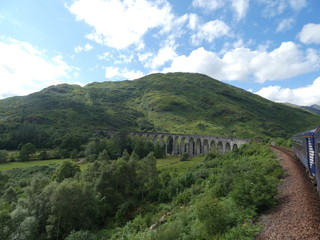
point(178, 144)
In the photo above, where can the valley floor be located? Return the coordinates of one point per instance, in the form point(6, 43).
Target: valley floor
point(298, 213)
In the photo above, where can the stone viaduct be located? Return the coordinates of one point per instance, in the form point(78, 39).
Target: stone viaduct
point(178, 144)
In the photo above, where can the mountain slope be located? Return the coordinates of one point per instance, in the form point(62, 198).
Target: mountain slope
point(313, 108)
point(173, 102)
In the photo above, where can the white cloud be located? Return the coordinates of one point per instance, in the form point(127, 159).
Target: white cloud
point(25, 69)
point(273, 8)
point(199, 61)
point(240, 7)
point(85, 48)
point(208, 4)
point(120, 24)
point(244, 64)
point(210, 31)
point(310, 33)
point(193, 21)
point(305, 96)
point(297, 5)
point(112, 72)
point(285, 24)
point(105, 56)
point(144, 56)
point(276, 7)
point(164, 55)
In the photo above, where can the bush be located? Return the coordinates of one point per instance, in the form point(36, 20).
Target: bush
point(243, 231)
point(81, 235)
point(256, 191)
point(4, 156)
point(184, 157)
point(67, 169)
point(213, 215)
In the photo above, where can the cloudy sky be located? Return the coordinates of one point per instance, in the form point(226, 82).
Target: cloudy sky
point(269, 47)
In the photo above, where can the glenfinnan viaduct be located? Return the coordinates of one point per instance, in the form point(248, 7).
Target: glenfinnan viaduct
point(177, 144)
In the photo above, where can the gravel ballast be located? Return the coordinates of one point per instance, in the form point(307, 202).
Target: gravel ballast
point(297, 215)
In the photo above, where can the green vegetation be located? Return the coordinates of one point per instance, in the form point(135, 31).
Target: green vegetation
point(216, 197)
point(123, 192)
point(207, 202)
point(173, 164)
point(64, 116)
point(15, 165)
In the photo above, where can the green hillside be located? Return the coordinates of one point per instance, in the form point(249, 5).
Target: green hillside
point(173, 102)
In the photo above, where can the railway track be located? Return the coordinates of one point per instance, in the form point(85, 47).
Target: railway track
point(297, 215)
point(286, 150)
point(294, 156)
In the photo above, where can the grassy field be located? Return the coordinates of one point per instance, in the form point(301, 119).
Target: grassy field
point(11, 165)
point(173, 164)
point(163, 164)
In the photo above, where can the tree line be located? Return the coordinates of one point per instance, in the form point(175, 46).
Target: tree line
point(120, 199)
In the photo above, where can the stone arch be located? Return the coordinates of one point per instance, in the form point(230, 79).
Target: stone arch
point(205, 146)
point(227, 147)
point(234, 147)
point(198, 150)
point(162, 140)
point(191, 147)
point(220, 147)
point(183, 146)
point(169, 145)
point(176, 145)
point(213, 146)
point(155, 140)
point(147, 138)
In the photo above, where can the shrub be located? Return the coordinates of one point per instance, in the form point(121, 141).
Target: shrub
point(4, 156)
point(213, 215)
point(67, 169)
point(184, 157)
point(81, 235)
point(255, 191)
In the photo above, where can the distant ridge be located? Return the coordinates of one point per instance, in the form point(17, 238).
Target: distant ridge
point(313, 108)
point(173, 102)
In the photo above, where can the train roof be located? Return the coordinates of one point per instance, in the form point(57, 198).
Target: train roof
point(309, 133)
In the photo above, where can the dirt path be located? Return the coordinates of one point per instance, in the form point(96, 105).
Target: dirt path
point(298, 213)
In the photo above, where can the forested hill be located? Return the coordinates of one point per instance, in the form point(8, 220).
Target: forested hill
point(173, 102)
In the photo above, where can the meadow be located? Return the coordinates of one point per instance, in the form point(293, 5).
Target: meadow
point(11, 165)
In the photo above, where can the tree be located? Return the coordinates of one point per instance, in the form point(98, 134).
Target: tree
point(43, 155)
point(147, 173)
point(81, 235)
point(159, 151)
point(4, 178)
point(73, 207)
point(121, 141)
point(74, 154)
point(26, 151)
point(73, 140)
point(5, 221)
point(4, 156)
point(37, 201)
point(104, 156)
point(10, 195)
point(67, 169)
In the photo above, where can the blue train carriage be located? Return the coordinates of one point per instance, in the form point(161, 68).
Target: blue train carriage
point(317, 156)
point(303, 144)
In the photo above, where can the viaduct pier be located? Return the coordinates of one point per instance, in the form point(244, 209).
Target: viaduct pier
point(194, 145)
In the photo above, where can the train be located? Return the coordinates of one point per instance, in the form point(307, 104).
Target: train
point(306, 146)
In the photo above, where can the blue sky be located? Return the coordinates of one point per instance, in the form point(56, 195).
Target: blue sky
point(269, 47)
